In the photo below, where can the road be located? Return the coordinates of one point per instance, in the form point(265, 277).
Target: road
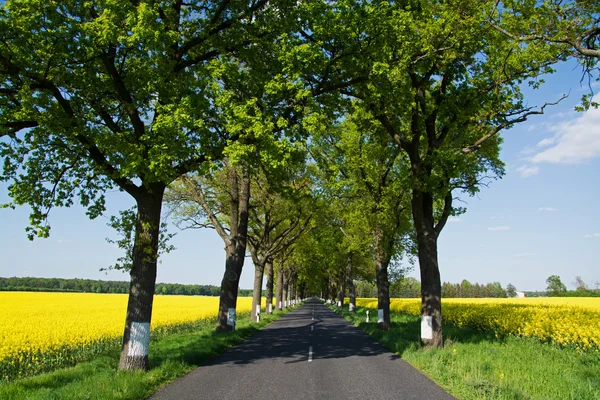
point(310, 353)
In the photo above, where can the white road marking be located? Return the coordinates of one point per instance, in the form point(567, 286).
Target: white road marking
point(310, 354)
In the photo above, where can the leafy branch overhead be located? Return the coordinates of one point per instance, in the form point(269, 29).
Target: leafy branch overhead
point(124, 226)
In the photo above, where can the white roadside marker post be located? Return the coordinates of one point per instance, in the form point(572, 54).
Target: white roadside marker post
point(231, 318)
point(257, 313)
point(367, 315)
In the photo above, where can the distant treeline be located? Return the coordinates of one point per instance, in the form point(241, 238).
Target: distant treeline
point(98, 286)
point(411, 288)
point(568, 293)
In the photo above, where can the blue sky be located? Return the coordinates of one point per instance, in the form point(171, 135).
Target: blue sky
point(540, 219)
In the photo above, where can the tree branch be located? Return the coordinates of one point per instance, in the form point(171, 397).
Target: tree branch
point(522, 118)
point(199, 197)
point(445, 213)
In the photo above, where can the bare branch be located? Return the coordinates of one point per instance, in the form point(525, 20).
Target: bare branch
point(197, 195)
point(521, 118)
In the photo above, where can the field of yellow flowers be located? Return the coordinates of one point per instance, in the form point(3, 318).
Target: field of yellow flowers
point(43, 331)
point(567, 322)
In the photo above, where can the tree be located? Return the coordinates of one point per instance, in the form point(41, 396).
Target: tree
point(555, 286)
point(122, 95)
point(276, 222)
point(572, 24)
point(580, 285)
point(219, 200)
point(511, 290)
point(442, 85)
point(369, 173)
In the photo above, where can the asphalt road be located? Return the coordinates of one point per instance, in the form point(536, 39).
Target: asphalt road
point(310, 353)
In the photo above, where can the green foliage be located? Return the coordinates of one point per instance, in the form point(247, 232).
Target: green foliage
point(555, 286)
point(128, 95)
point(511, 290)
point(96, 286)
point(125, 226)
point(468, 290)
point(572, 25)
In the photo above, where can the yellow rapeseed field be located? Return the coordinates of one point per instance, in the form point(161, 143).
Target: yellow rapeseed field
point(46, 328)
point(563, 321)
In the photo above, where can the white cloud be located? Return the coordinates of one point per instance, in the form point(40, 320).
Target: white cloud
point(548, 209)
point(528, 150)
point(592, 235)
point(546, 142)
point(532, 127)
point(527, 171)
point(498, 228)
point(454, 219)
point(525, 255)
point(575, 141)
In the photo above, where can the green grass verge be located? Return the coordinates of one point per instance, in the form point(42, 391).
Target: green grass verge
point(172, 355)
point(476, 365)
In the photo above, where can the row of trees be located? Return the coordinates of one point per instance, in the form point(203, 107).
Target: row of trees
point(411, 288)
point(557, 288)
point(327, 138)
point(99, 286)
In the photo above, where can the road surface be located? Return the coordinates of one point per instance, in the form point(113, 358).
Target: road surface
point(310, 353)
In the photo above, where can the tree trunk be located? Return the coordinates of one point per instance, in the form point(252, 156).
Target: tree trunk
point(431, 287)
point(279, 296)
point(294, 289)
point(382, 260)
point(136, 337)
point(269, 287)
point(325, 293)
point(341, 290)
point(259, 271)
point(286, 287)
point(235, 250)
point(350, 283)
point(229, 289)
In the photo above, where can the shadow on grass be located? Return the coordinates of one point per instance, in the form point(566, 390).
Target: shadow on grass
point(405, 331)
point(197, 349)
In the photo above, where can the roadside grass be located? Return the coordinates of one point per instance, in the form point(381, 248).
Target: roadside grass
point(173, 353)
point(477, 365)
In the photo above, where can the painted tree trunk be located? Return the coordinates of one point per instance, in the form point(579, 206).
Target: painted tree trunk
point(341, 290)
point(286, 286)
point(259, 271)
point(279, 295)
point(235, 249)
point(350, 283)
point(382, 260)
point(294, 289)
point(431, 288)
point(229, 287)
point(269, 273)
point(136, 337)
